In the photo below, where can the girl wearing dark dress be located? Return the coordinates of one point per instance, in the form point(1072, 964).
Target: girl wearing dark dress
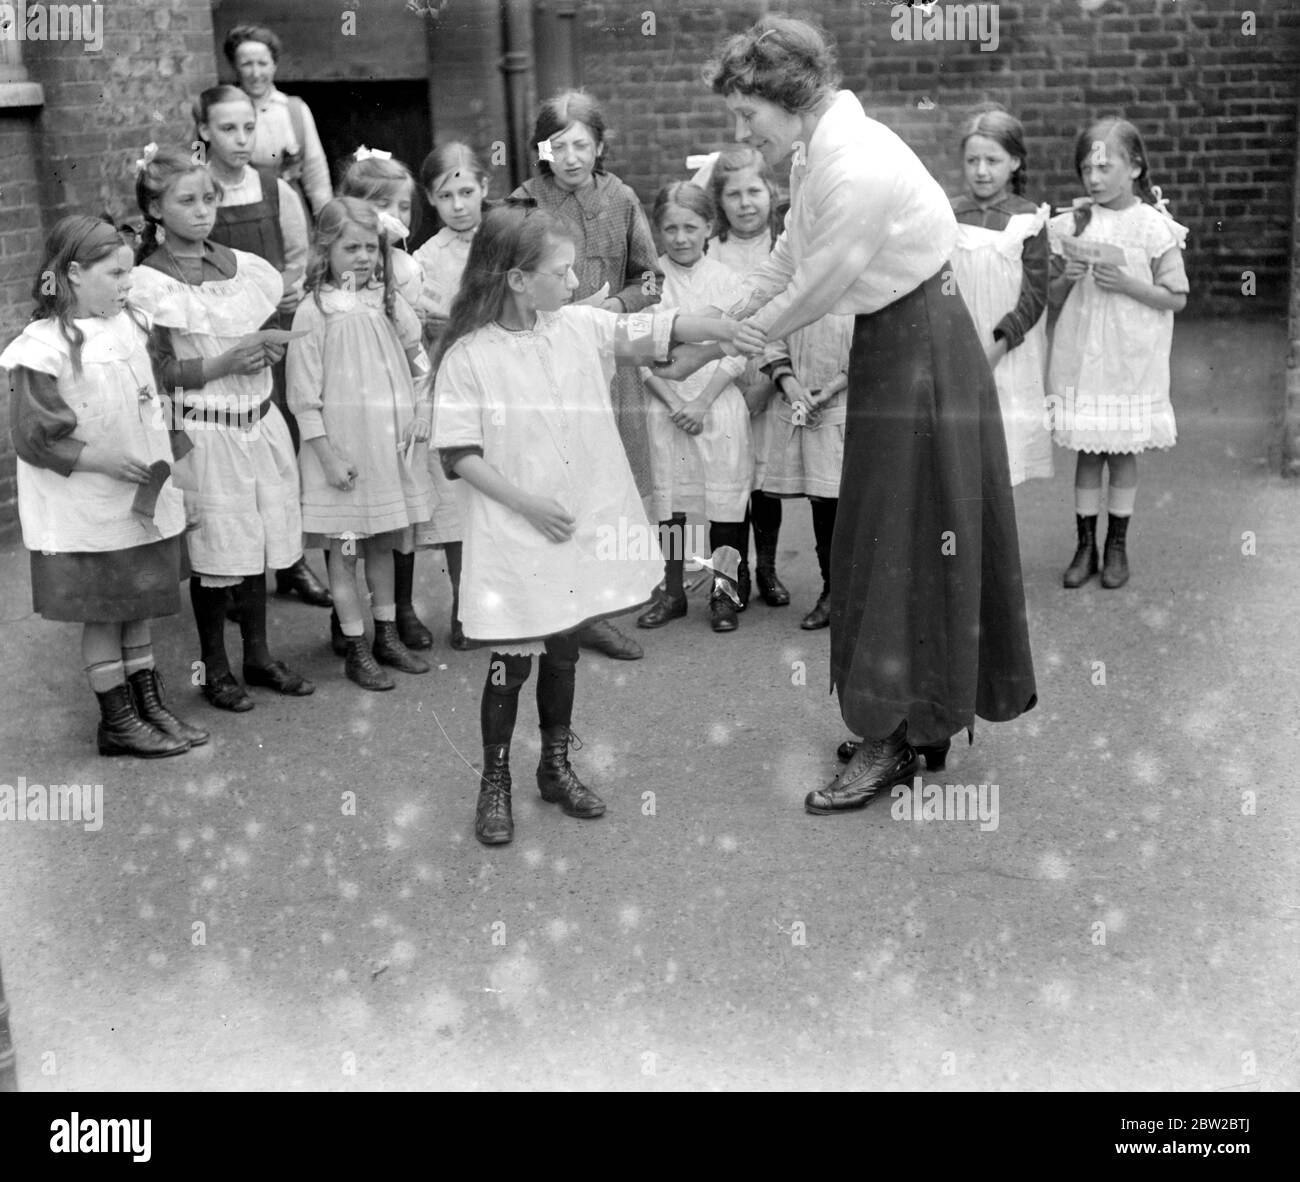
point(99, 511)
point(928, 621)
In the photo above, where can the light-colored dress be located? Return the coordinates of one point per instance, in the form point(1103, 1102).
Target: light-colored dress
point(537, 402)
point(442, 263)
point(806, 461)
point(989, 275)
point(276, 143)
point(116, 407)
point(710, 473)
point(350, 379)
point(240, 483)
point(1108, 378)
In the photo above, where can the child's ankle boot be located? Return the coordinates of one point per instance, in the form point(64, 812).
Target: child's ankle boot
point(1084, 564)
point(1115, 572)
point(556, 780)
point(493, 824)
point(123, 732)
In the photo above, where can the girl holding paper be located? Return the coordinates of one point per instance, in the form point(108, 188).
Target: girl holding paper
point(1118, 272)
point(92, 443)
point(207, 302)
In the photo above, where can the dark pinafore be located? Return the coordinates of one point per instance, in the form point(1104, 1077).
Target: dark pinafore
point(255, 228)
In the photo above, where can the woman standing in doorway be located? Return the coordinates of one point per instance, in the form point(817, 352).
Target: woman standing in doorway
point(927, 608)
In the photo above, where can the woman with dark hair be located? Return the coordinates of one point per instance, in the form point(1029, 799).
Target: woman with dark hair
point(927, 608)
point(287, 139)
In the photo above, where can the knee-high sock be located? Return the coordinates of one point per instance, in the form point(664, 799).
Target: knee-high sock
point(556, 677)
point(403, 578)
point(209, 604)
point(452, 555)
point(251, 597)
point(500, 704)
point(823, 515)
point(765, 513)
point(672, 541)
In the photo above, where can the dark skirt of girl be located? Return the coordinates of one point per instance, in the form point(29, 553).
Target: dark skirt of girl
point(109, 586)
point(927, 605)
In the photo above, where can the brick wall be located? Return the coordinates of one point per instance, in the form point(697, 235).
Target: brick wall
point(74, 154)
point(1216, 107)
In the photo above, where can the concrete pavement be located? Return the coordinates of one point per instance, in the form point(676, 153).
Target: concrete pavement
point(1129, 923)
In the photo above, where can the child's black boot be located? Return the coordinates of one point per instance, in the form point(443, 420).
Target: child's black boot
point(555, 777)
point(123, 732)
point(1084, 564)
point(409, 626)
point(1115, 571)
point(493, 824)
point(146, 692)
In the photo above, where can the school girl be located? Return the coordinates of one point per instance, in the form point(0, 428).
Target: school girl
point(91, 436)
point(525, 421)
point(359, 385)
point(206, 303)
point(260, 214)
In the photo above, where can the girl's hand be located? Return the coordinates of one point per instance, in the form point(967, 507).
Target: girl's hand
point(690, 417)
point(108, 461)
point(417, 430)
point(1075, 270)
point(682, 361)
point(749, 338)
point(995, 352)
point(246, 357)
point(548, 517)
point(274, 353)
point(341, 473)
point(1109, 277)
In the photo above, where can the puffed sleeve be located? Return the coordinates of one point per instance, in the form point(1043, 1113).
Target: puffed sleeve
point(458, 425)
point(853, 215)
point(305, 371)
point(41, 422)
point(315, 168)
point(1165, 245)
point(1033, 292)
point(642, 261)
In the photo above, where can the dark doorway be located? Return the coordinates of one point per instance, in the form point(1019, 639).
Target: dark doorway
point(393, 116)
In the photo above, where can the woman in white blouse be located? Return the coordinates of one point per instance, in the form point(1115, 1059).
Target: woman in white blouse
point(928, 621)
point(286, 132)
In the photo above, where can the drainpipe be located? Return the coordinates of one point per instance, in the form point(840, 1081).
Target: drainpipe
point(517, 65)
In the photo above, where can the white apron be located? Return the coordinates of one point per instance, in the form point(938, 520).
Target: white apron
point(988, 269)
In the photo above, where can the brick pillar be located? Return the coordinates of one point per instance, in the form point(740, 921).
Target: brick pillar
point(1291, 419)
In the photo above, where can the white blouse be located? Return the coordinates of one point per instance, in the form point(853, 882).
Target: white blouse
point(867, 224)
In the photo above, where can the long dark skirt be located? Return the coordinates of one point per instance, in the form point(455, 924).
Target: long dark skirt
point(927, 606)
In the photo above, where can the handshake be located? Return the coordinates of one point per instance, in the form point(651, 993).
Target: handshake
point(728, 338)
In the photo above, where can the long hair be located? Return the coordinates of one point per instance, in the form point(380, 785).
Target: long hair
point(376, 179)
point(787, 62)
point(688, 196)
point(1130, 141)
point(563, 109)
point(737, 159)
point(151, 184)
point(1003, 128)
point(509, 238)
point(330, 226)
point(75, 239)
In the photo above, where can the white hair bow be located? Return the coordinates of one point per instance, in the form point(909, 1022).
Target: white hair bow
point(150, 151)
point(364, 153)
